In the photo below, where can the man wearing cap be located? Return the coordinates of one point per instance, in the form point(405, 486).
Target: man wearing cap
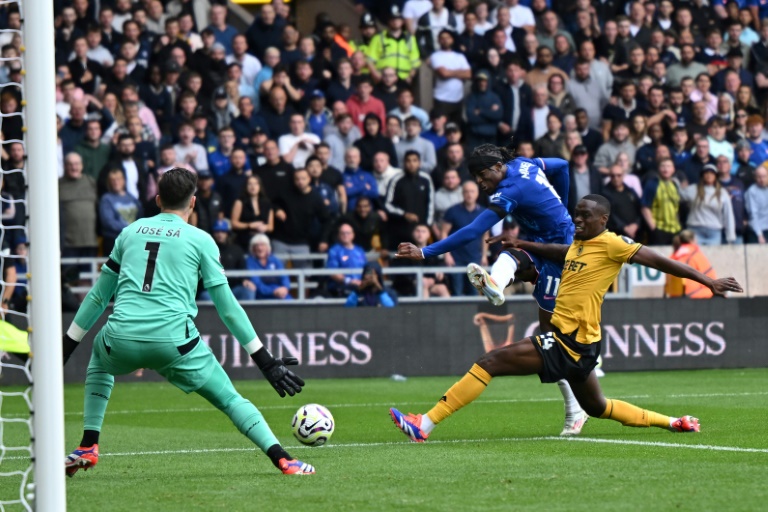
point(318, 116)
point(232, 257)
point(484, 111)
point(395, 48)
point(208, 204)
point(367, 33)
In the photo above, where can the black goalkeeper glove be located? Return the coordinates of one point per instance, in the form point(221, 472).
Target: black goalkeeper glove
point(274, 369)
point(68, 345)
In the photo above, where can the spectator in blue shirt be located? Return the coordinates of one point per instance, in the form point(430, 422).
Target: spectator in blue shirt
point(345, 255)
point(117, 209)
point(223, 32)
point(318, 116)
point(371, 291)
point(247, 122)
point(457, 217)
point(315, 169)
point(260, 258)
point(219, 161)
point(755, 138)
point(357, 182)
point(436, 134)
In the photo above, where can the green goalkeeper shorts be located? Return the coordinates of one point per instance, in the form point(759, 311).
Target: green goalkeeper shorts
point(187, 366)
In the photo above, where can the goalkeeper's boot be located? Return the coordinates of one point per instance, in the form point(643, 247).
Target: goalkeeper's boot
point(685, 424)
point(485, 284)
point(296, 467)
point(573, 426)
point(409, 425)
point(83, 457)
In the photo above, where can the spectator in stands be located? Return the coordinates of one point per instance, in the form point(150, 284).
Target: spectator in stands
point(470, 42)
point(451, 69)
point(590, 137)
point(559, 97)
point(363, 103)
point(208, 203)
point(646, 156)
point(383, 173)
point(276, 174)
point(260, 258)
point(357, 181)
point(661, 205)
point(231, 184)
point(396, 49)
point(626, 215)
point(588, 93)
point(331, 175)
point(326, 190)
point(623, 109)
point(735, 188)
point(618, 143)
point(688, 252)
point(251, 212)
point(414, 142)
point(117, 209)
point(86, 73)
point(687, 67)
point(365, 222)
point(74, 129)
point(188, 151)
point(77, 206)
point(516, 97)
point(544, 70)
point(136, 172)
point(373, 142)
point(756, 140)
point(94, 153)
point(456, 218)
point(232, 257)
point(710, 214)
point(551, 143)
point(585, 178)
point(742, 168)
point(301, 219)
point(298, 145)
point(345, 254)
point(484, 111)
point(454, 160)
point(345, 135)
point(277, 112)
point(388, 88)
point(410, 200)
point(218, 161)
point(371, 291)
point(448, 195)
point(698, 160)
point(756, 200)
point(406, 108)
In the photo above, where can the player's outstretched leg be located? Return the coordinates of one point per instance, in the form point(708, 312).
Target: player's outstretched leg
point(575, 417)
point(590, 396)
point(220, 392)
point(517, 359)
point(492, 285)
point(98, 389)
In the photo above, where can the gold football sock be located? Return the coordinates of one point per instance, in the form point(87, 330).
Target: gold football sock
point(460, 394)
point(633, 416)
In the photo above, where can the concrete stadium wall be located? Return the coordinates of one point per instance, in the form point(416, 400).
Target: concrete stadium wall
point(746, 263)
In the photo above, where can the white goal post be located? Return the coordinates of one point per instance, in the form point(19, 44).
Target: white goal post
point(44, 253)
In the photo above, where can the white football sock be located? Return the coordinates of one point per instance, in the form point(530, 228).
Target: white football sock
point(572, 407)
point(426, 424)
point(503, 271)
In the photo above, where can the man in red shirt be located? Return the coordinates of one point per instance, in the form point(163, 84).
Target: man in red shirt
point(363, 103)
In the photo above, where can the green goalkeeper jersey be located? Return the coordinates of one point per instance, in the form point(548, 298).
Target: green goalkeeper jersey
point(161, 260)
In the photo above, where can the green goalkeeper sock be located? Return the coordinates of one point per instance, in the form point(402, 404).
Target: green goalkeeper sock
point(98, 388)
point(246, 417)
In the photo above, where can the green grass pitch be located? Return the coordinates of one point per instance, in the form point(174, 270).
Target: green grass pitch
point(164, 451)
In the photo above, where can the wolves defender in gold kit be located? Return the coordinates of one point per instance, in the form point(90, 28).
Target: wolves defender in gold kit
point(570, 350)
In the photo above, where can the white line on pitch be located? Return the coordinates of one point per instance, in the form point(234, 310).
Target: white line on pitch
point(626, 442)
point(405, 404)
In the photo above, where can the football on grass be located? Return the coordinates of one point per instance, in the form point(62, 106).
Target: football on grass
point(313, 425)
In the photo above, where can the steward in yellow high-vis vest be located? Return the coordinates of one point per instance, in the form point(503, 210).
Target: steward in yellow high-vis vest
point(395, 48)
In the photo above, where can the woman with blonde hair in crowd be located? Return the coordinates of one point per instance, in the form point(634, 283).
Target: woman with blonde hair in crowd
point(746, 99)
point(638, 133)
point(725, 109)
point(571, 140)
point(630, 180)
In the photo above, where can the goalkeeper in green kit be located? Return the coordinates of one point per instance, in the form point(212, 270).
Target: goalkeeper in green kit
point(153, 272)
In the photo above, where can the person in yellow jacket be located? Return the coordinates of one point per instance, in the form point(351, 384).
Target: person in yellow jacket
point(687, 251)
point(396, 48)
point(368, 32)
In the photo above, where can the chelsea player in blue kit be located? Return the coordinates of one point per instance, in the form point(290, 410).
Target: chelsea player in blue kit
point(529, 189)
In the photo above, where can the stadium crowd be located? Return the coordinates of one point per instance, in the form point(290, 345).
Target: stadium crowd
point(316, 142)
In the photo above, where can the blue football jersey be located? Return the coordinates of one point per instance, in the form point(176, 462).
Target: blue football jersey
point(528, 196)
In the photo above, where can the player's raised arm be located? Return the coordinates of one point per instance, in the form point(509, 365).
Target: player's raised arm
point(485, 221)
point(652, 259)
point(92, 307)
point(556, 170)
point(274, 368)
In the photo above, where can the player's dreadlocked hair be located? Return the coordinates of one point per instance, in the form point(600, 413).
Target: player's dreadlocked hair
point(488, 155)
